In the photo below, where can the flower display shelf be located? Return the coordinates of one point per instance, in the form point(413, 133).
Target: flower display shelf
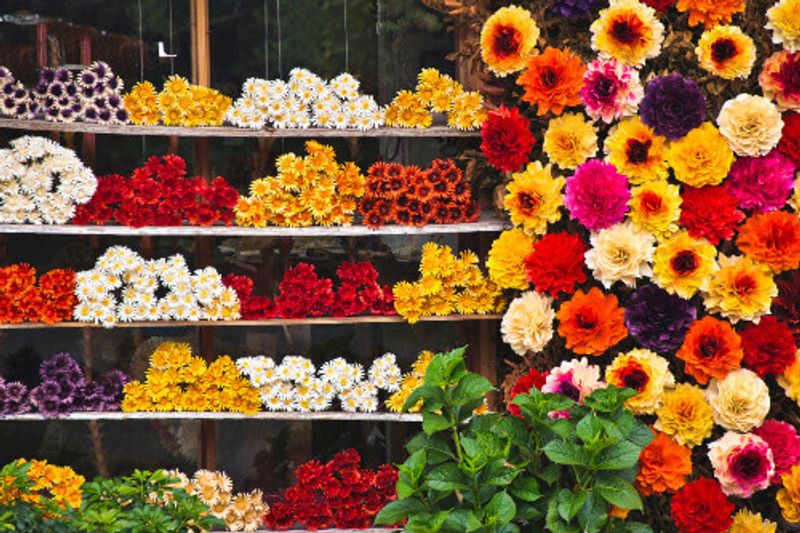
point(487, 224)
point(227, 131)
point(318, 321)
point(209, 415)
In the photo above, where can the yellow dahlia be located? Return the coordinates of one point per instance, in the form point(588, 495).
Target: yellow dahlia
point(570, 140)
point(727, 52)
point(684, 265)
point(740, 290)
point(709, 13)
point(628, 31)
point(703, 157)
point(506, 261)
point(534, 197)
point(645, 372)
point(656, 207)
point(507, 39)
point(637, 152)
point(784, 20)
point(686, 415)
point(789, 495)
point(746, 521)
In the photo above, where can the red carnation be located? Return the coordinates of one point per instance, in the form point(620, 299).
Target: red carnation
point(787, 304)
point(710, 212)
point(556, 263)
point(769, 346)
point(701, 507)
point(506, 139)
point(532, 380)
point(790, 142)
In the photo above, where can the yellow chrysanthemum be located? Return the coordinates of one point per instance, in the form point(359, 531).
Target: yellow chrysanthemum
point(684, 265)
point(570, 140)
point(656, 207)
point(506, 259)
point(645, 372)
point(783, 20)
point(507, 39)
point(628, 31)
point(141, 103)
point(740, 290)
point(710, 13)
point(637, 152)
point(467, 111)
point(789, 495)
point(686, 415)
point(790, 380)
point(727, 52)
point(702, 157)
point(746, 521)
point(534, 198)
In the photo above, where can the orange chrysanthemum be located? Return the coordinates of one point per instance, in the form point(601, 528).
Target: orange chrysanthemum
point(710, 349)
point(663, 466)
point(553, 80)
point(709, 13)
point(591, 322)
point(772, 239)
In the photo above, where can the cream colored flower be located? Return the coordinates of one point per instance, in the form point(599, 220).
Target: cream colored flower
point(570, 140)
point(527, 325)
point(783, 20)
point(621, 252)
point(644, 371)
point(740, 402)
point(751, 124)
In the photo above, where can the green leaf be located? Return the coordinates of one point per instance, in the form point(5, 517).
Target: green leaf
point(446, 477)
point(570, 503)
point(414, 465)
point(437, 448)
point(471, 387)
point(432, 397)
point(621, 455)
point(594, 514)
point(443, 366)
point(588, 428)
point(640, 434)
point(526, 488)
point(398, 510)
point(553, 520)
point(609, 399)
point(550, 473)
point(619, 492)
point(463, 520)
point(499, 473)
point(431, 423)
point(566, 453)
point(501, 509)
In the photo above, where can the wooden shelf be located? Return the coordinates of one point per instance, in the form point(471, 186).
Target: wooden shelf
point(489, 224)
point(320, 321)
point(206, 415)
point(227, 131)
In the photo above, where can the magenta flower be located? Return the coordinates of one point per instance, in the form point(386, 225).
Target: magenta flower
point(597, 195)
point(784, 443)
point(611, 90)
point(762, 183)
point(743, 463)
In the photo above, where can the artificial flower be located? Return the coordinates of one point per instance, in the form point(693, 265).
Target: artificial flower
point(628, 31)
point(570, 140)
point(710, 349)
point(710, 13)
point(762, 183)
point(785, 445)
point(597, 195)
point(506, 139)
point(769, 346)
point(657, 319)
point(673, 106)
point(683, 265)
point(533, 198)
point(740, 401)
point(726, 51)
point(576, 379)
point(611, 90)
point(591, 322)
point(751, 124)
point(507, 39)
point(664, 465)
point(655, 207)
point(645, 372)
point(772, 239)
point(701, 507)
point(788, 495)
point(782, 20)
point(789, 144)
point(467, 112)
point(686, 415)
point(552, 80)
point(556, 263)
point(701, 158)
point(620, 253)
point(637, 152)
point(527, 325)
point(710, 213)
point(740, 290)
point(505, 263)
point(141, 103)
point(778, 79)
point(746, 521)
point(742, 463)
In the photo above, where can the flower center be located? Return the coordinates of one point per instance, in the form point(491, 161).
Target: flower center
point(528, 202)
point(626, 31)
point(709, 347)
point(569, 390)
point(585, 319)
point(506, 41)
point(744, 285)
point(749, 465)
point(604, 87)
point(684, 262)
point(549, 78)
point(789, 74)
point(638, 151)
point(635, 378)
point(722, 50)
point(650, 202)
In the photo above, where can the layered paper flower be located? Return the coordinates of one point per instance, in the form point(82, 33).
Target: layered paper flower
point(742, 463)
point(505, 262)
point(506, 139)
point(726, 51)
point(762, 183)
point(507, 39)
point(645, 372)
point(711, 213)
point(527, 325)
point(620, 253)
point(686, 415)
point(701, 158)
point(655, 207)
point(22, 299)
point(570, 140)
point(740, 401)
point(591, 322)
point(673, 106)
point(637, 152)
point(782, 20)
point(740, 290)
point(710, 349)
point(179, 103)
point(751, 124)
point(611, 90)
point(657, 319)
point(663, 466)
point(684, 265)
point(790, 380)
point(597, 195)
point(627, 31)
point(701, 507)
point(552, 80)
point(556, 263)
point(533, 198)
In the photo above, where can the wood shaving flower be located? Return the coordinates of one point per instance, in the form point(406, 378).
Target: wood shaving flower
point(506, 139)
point(664, 465)
point(727, 52)
point(507, 39)
point(772, 239)
point(655, 207)
point(620, 253)
point(534, 198)
point(710, 13)
point(711, 349)
point(628, 31)
point(740, 290)
point(645, 372)
point(637, 152)
point(782, 19)
point(552, 80)
point(752, 124)
point(686, 415)
point(570, 140)
point(527, 325)
point(740, 401)
point(703, 157)
point(683, 265)
point(506, 261)
point(591, 322)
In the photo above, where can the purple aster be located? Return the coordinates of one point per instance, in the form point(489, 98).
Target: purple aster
point(657, 319)
point(104, 115)
point(121, 115)
point(597, 195)
point(101, 69)
point(762, 183)
point(87, 79)
point(5, 73)
point(63, 75)
point(9, 88)
point(673, 106)
point(47, 76)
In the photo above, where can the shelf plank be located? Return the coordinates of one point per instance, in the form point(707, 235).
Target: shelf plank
point(392, 319)
point(206, 415)
point(35, 125)
point(483, 226)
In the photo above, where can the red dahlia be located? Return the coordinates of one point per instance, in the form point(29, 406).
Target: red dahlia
point(556, 263)
point(789, 144)
point(710, 212)
point(506, 139)
point(701, 507)
point(769, 346)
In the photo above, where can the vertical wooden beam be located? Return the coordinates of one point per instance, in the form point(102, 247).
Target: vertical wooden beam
point(41, 44)
point(89, 144)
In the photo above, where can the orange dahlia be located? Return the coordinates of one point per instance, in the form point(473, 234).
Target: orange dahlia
point(553, 80)
point(711, 349)
point(591, 322)
point(663, 466)
point(772, 239)
point(709, 13)
point(507, 39)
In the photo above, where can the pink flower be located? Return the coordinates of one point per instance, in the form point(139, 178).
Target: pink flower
point(575, 379)
point(742, 463)
point(597, 195)
point(784, 443)
point(762, 183)
point(611, 90)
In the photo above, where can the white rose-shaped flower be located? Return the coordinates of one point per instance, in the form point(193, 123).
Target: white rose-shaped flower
point(622, 252)
point(751, 124)
point(740, 402)
point(528, 323)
